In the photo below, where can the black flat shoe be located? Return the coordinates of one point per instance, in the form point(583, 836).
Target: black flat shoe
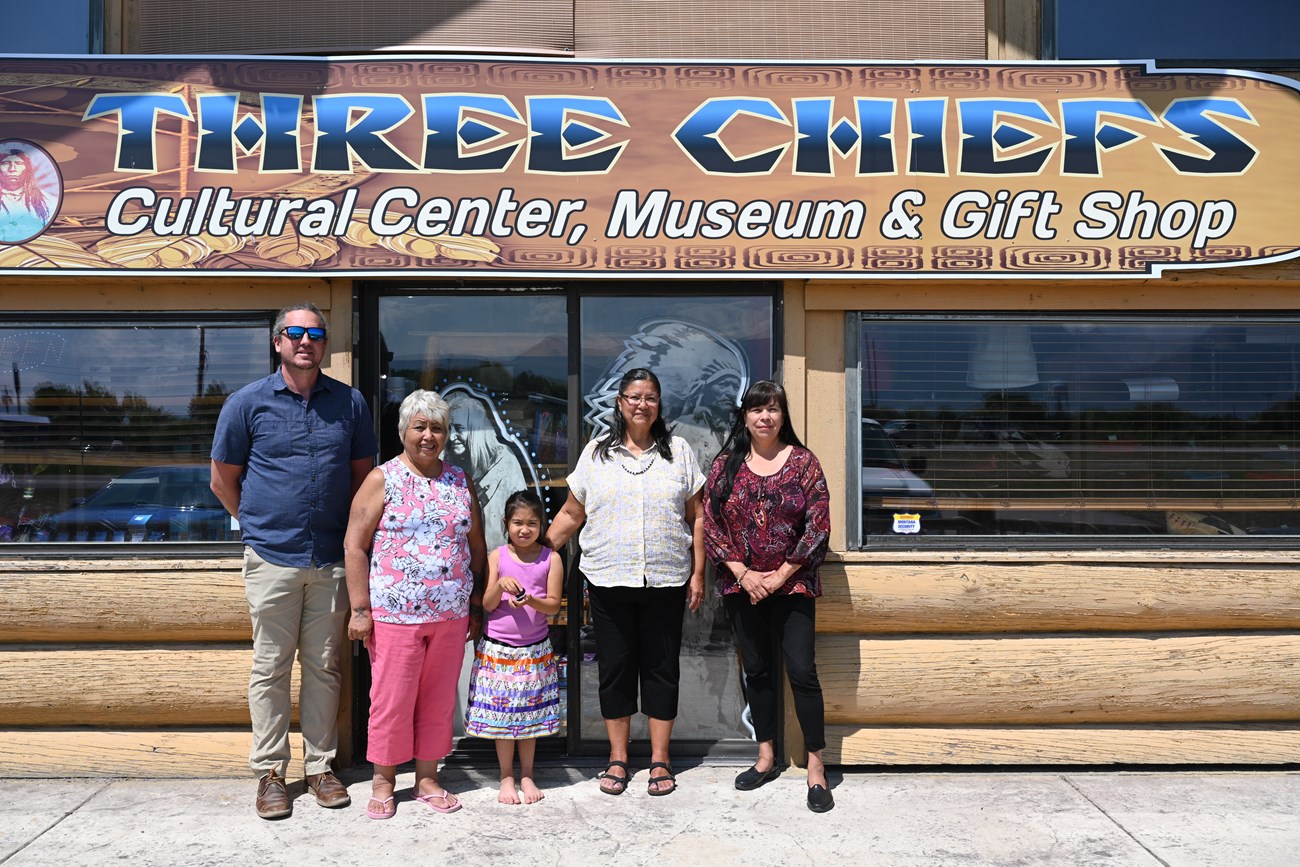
point(753, 778)
point(820, 799)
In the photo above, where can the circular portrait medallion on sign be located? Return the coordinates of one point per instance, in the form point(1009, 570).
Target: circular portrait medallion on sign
point(31, 191)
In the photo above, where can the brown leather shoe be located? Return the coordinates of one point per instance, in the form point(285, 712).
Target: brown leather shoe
point(328, 790)
point(273, 797)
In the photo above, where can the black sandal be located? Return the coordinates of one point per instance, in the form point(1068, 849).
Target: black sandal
point(619, 782)
point(655, 786)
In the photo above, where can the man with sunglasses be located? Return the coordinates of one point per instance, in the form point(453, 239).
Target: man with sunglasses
point(288, 454)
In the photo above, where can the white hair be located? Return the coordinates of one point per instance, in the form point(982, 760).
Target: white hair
point(426, 403)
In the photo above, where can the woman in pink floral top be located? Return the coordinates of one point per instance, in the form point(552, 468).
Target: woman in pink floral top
point(766, 529)
point(415, 558)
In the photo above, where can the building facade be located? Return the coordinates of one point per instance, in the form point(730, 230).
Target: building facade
point(1054, 387)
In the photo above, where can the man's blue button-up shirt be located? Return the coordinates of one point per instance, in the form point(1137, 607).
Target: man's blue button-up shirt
point(297, 453)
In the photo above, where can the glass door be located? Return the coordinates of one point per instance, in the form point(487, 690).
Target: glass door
point(500, 360)
point(705, 351)
point(530, 376)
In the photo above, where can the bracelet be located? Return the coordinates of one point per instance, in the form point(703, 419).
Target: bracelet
point(742, 575)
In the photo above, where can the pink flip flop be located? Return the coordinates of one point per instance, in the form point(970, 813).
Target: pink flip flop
point(448, 804)
point(380, 814)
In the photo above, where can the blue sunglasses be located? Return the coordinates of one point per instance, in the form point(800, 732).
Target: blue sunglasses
point(295, 332)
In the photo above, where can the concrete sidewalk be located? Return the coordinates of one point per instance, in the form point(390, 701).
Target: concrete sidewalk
point(1178, 819)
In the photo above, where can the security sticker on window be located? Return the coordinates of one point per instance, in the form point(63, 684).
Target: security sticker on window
point(905, 522)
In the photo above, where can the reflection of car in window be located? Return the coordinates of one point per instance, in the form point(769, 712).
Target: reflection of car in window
point(150, 504)
point(889, 481)
point(1018, 448)
point(909, 433)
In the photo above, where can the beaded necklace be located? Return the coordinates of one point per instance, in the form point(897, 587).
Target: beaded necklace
point(623, 466)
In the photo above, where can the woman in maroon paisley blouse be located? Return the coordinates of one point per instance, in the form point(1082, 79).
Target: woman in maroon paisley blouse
point(766, 528)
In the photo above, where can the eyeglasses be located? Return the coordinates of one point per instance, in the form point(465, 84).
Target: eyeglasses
point(647, 399)
point(295, 332)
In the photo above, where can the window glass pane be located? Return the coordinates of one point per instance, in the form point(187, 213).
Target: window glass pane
point(105, 429)
point(1079, 426)
point(1189, 30)
point(705, 351)
point(501, 361)
point(49, 27)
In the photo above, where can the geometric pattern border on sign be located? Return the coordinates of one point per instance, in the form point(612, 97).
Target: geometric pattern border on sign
point(799, 258)
point(963, 258)
point(1055, 258)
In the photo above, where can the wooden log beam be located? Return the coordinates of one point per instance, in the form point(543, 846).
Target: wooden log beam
point(123, 687)
point(1063, 745)
point(151, 605)
point(1055, 597)
point(137, 754)
point(1061, 679)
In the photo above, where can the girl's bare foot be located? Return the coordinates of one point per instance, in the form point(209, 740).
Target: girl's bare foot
point(532, 794)
point(507, 793)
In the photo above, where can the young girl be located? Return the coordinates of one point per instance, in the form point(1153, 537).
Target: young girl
point(514, 691)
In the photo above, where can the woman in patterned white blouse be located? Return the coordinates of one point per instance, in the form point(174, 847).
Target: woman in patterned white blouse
point(638, 490)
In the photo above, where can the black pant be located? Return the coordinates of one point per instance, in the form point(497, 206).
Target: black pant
point(638, 639)
point(790, 622)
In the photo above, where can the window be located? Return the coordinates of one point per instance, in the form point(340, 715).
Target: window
point(501, 362)
point(53, 27)
point(1150, 426)
point(1182, 32)
point(106, 426)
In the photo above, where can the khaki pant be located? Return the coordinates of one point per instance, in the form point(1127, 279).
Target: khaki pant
point(302, 611)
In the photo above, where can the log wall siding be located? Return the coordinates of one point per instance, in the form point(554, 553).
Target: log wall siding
point(1123, 593)
point(1038, 680)
point(85, 603)
point(1055, 658)
point(126, 667)
point(182, 753)
point(120, 687)
point(1062, 745)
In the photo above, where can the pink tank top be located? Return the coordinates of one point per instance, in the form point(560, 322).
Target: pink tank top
point(526, 625)
point(419, 559)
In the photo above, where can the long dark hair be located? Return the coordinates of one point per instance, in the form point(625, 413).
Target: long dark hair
point(736, 448)
point(617, 427)
point(32, 198)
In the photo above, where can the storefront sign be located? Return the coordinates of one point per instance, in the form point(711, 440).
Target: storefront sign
point(530, 167)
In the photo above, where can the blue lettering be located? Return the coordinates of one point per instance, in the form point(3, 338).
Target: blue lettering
point(1229, 155)
point(339, 137)
point(697, 136)
point(277, 135)
point(981, 121)
point(925, 121)
point(444, 139)
point(553, 126)
point(138, 118)
point(1086, 136)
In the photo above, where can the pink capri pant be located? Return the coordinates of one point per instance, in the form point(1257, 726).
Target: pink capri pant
point(414, 671)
